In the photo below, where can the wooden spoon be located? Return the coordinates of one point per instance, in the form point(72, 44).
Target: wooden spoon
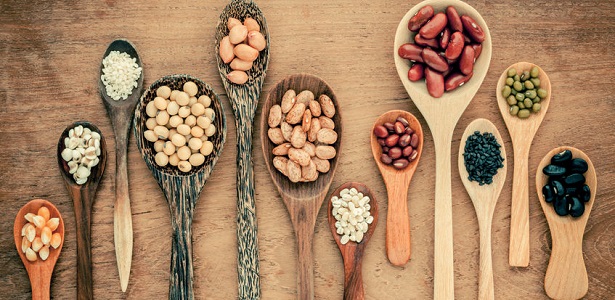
point(566, 276)
point(181, 189)
point(484, 198)
point(244, 100)
point(121, 112)
point(83, 199)
point(352, 252)
point(398, 243)
point(442, 115)
point(522, 133)
point(39, 271)
point(303, 200)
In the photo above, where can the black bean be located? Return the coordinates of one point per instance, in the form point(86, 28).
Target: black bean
point(547, 193)
point(585, 193)
point(575, 179)
point(578, 165)
point(572, 190)
point(562, 158)
point(554, 170)
point(576, 207)
point(558, 188)
point(561, 206)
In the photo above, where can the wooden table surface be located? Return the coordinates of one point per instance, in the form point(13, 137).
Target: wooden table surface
point(50, 55)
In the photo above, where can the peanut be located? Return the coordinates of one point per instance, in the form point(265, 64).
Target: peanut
point(238, 34)
point(226, 50)
point(251, 24)
point(232, 22)
point(238, 77)
point(245, 52)
point(241, 65)
point(257, 40)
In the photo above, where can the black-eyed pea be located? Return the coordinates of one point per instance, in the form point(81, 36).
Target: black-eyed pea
point(162, 132)
point(205, 100)
point(309, 172)
point(161, 159)
point(315, 108)
point(197, 132)
point(173, 95)
point(150, 136)
point(163, 91)
point(325, 152)
point(207, 148)
point(183, 111)
point(322, 165)
point(203, 122)
point(182, 98)
point(288, 101)
point(326, 122)
point(190, 120)
point(307, 120)
point(184, 152)
point(190, 88)
point(150, 109)
point(195, 143)
point(298, 137)
point(172, 108)
point(310, 149)
point(257, 40)
point(173, 159)
point(314, 128)
point(211, 130)
point(168, 148)
point(160, 103)
point(183, 129)
point(281, 149)
point(159, 145)
point(184, 166)
point(178, 140)
point(326, 136)
point(151, 123)
point(287, 130)
point(251, 24)
point(240, 64)
point(162, 118)
point(275, 135)
point(238, 34)
point(237, 77)
point(193, 100)
point(232, 22)
point(196, 159)
point(210, 113)
point(197, 109)
point(326, 104)
point(295, 114)
point(275, 116)
point(293, 170)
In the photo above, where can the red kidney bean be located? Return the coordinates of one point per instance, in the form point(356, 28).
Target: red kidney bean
point(407, 151)
point(410, 51)
point(391, 140)
point(466, 62)
point(435, 83)
point(415, 73)
point(380, 142)
point(414, 142)
point(409, 131)
point(389, 126)
point(420, 40)
point(478, 48)
point(404, 140)
point(445, 73)
point(456, 80)
point(444, 38)
point(454, 20)
point(434, 60)
point(434, 26)
point(385, 159)
point(395, 152)
point(380, 131)
point(455, 46)
point(473, 29)
point(399, 128)
point(466, 39)
point(420, 18)
point(400, 163)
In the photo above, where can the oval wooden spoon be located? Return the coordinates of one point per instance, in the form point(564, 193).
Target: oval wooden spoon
point(181, 190)
point(83, 200)
point(39, 271)
point(352, 252)
point(121, 113)
point(484, 198)
point(398, 243)
point(303, 200)
point(244, 100)
point(522, 133)
point(442, 115)
point(566, 276)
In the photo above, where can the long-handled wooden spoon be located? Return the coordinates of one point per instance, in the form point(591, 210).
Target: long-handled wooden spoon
point(352, 252)
point(83, 199)
point(522, 133)
point(39, 271)
point(244, 100)
point(442, 115)
point(303, 200)
point(566, 276)
point(121, 112)
point(398, 243)
point(181, 189)
point(484, 198)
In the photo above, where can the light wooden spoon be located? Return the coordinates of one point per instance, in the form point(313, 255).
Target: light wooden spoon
point(484, 198)
point(39, 271)
point(398, 243)
point(442, 115)
point(522, 133)
point(566, 276)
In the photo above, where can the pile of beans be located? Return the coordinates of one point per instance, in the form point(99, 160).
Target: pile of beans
point(304, 132)
point(482, 157)
point(444, 50)
point(120, 74)
point(81, 152)
point(523, 92)
point(566, 187)
point(399, 143)
point(241, 47)
point(38, 234)
point(351, 211)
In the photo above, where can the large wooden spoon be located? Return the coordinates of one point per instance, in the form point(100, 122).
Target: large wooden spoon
point(566, 276)
point(303, 200)
point(39, 271)
point(83, 199)
point(442, 115)
point(522, 133)
point(398, 243)
point(121, 112)
point(484, 198)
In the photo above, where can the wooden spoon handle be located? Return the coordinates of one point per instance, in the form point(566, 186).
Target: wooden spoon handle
point(566, 276)
point(485, 279)
point(398, 244)
point(519, 251)
point(353, 276)
point(40, 281)
point(83, 213)
point(181, 258)
point(122, 216)
point(303, 216)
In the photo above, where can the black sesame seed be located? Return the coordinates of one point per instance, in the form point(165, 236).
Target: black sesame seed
point(482, 157)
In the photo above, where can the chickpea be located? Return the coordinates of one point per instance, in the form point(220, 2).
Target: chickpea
point(150, 109)
point(205, 100)
point(184, 111)
point(162, 118)
point(174, 160)
point(184, 166)
point(203, 122)
point(151, 123)
point(178, 140)
point(161, 159)
point(159, 145)
point(172, 108)
point(175, 121)
point(211, 130)
point(160, 103)
point(190, 120)
point(190, 88)
point(168, 148)
point(183, 129)
point(184, 153)
point(182, 98)
point(196, 159)
point(207, 148)
point(197, 131)
point(195, 143)
point(163, 91)
point(197, 109)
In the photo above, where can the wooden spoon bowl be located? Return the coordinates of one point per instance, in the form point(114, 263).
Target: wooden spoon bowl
point(566, 276)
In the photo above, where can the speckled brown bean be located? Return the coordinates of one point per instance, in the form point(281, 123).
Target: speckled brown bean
point(288, 101)
point(414, 142)
point(307, 120)
point(315, 108)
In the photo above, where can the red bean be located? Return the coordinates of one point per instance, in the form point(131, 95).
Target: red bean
point(385, 159)
point(404, 140)
point(455, 46)
point(421, 41)
point(391, 140)
point(435, 83)
point(434, 60)
point(389, 126)
point(400, 163)
point(478, 48)
point(414, 142)
point(380, 131)
point(381, 142)
point(395, 152)
point(415, 73)
point(473, 29)
point(466, 62)
point(420, 18)
point(410, 51)
point(399, 128)
point(444, 38)
point(409, 130)
point(454, 20)
point(434, 26)
point(456, 80)
point(407, 151)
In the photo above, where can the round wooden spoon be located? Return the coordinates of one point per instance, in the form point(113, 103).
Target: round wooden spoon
point(39, 271)
point(442, 115)
point(83, 200)
point(484, 198)
point(303, 200)
point(522, 133)
point(398, 243)
point(352, 252)
point(566, 276)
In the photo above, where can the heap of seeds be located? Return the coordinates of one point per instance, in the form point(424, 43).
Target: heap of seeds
point(482, 157)
point(120, 74)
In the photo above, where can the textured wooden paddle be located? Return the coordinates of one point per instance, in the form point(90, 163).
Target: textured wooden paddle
point(39, 271)
point(352, 252)
point(181, 189)
point(244, 100)
point(442, 115)
point(398, 243)
point(484, 198)
point(303, 200)
point(566, 276)
point(522, 133)
point(121, 113)
point(83, 199)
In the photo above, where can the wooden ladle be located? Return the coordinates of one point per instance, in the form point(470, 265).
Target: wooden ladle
point(83, 199)
point(121, 113)
point(442, 115)
point(566, 276)
point(398, 243)
point(522, 133)
point(303, 200)
point(352, 252)
point(39, 271)
point(484, 197)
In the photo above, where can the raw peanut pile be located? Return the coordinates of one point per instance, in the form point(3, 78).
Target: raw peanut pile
point(241, 47)
point(38, 235)
point(303, 130)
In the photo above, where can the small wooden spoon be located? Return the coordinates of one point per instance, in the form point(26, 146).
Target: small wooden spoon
point(566, 276)
point(484, 198)
point(398, 243)
point(39, 271)
point(303, 200)
point(522, 133)
point(121, 112)
point(83, 200)
point(352, 252)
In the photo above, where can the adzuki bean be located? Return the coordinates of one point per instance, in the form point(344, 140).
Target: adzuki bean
point(397, 149)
